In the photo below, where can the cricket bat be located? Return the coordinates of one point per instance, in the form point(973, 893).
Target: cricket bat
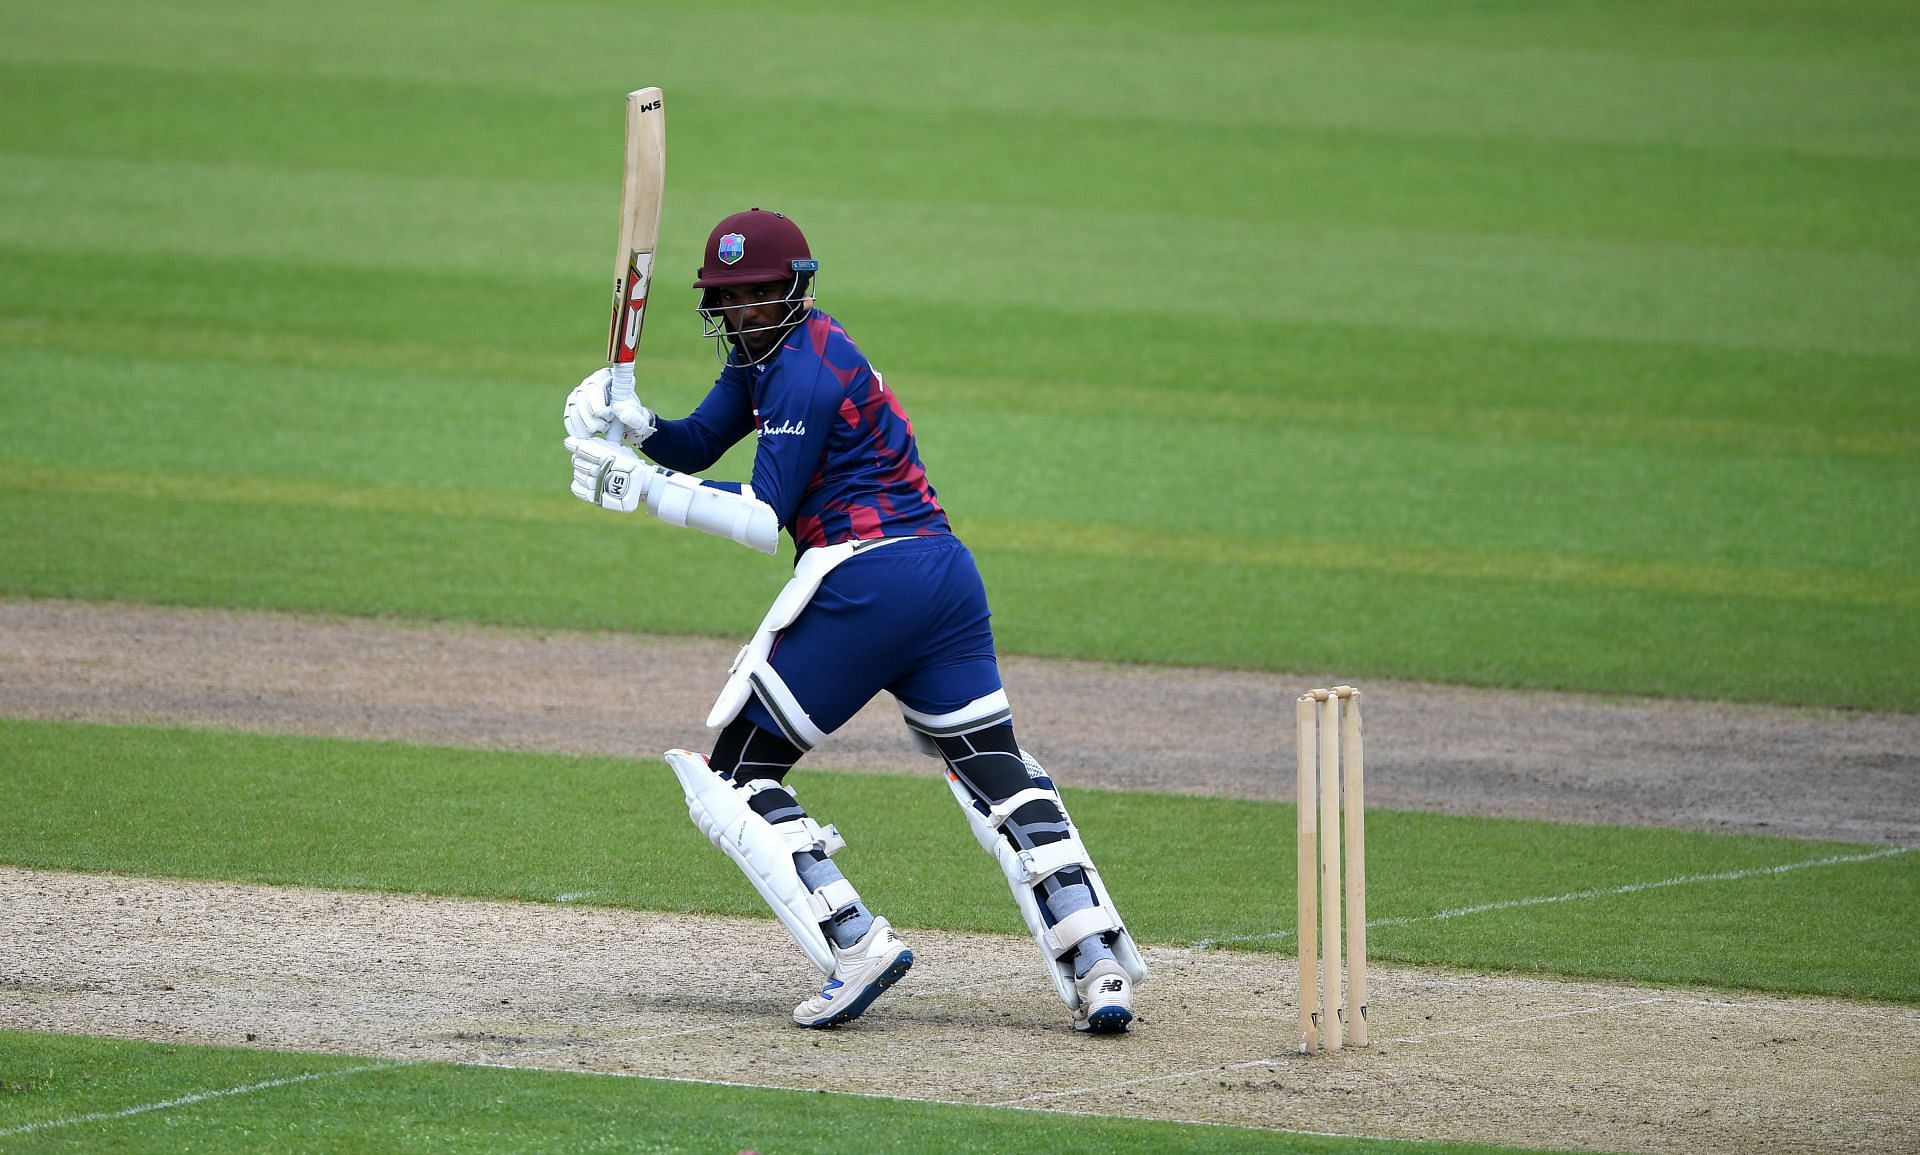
point(641, 187)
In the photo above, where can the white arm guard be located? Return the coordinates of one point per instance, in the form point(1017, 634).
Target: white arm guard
point(680, 499)
point(611, 475)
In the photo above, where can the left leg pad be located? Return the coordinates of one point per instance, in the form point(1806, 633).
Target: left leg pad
point(1026, 869)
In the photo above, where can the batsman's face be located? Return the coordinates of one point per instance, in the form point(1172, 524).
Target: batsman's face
point(754, 313)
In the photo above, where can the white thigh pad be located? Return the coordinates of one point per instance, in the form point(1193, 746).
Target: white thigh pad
point(764, 851)
point(811, 570)
point(988, 710)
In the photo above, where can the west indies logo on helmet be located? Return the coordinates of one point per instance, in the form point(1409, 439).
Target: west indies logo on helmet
point(756, 247)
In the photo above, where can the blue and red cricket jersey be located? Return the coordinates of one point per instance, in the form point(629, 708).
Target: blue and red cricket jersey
point(837, 460)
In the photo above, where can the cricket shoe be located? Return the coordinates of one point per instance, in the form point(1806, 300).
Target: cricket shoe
point(860, 973)
point(1106, 999)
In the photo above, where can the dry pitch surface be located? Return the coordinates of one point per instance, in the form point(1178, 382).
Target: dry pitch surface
point(1460, 1056)
point(1493, 1058)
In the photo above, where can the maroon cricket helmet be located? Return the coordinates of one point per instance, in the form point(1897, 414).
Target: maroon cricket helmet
point(752, 247)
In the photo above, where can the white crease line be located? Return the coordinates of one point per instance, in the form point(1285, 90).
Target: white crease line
point(1877, 1014)
point(1274, 1062)
point(881, 1096)
point(1494, 1023)
point(1491, 1024)
point(1412, 983)
point(1136, 1082)
point(1606, 892)
point(189, 1100)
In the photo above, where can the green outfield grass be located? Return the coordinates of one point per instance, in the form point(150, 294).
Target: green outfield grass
point(387, 816)
point(1566, 347)
point(342, 1103)
point(1563, 345)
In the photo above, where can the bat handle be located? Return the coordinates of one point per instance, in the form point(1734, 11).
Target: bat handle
point(622, 387)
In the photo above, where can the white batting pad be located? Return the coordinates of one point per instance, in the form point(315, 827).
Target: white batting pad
point(1025, 869)
point(762, 851)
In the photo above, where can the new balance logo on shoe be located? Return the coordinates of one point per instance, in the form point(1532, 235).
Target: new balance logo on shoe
point(1106, 1000)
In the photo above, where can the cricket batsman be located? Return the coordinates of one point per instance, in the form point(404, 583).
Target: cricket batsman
point(883, 597)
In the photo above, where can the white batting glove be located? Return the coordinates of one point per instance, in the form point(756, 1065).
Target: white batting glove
point(608, 475)
point(592, 404)
point(586, 411)
point(635, 419)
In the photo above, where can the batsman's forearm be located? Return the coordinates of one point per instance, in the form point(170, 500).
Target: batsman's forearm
point(685, 445)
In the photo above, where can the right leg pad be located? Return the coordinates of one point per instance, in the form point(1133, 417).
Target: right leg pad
point(764, 850)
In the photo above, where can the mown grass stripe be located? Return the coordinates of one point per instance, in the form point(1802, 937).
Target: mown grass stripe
point(1436, 561)
point(188, 803)
point(1468, 423)
point(1401, 560)
point(1493, 283)
point(1477, 422)
point(1459, 74)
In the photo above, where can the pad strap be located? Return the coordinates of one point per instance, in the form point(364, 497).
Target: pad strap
point(803, 833)
point(1066, 934)
point(1003, 810)
point(986, 710)
point(834, 896)
point(1044, 862)
point(826, 839)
